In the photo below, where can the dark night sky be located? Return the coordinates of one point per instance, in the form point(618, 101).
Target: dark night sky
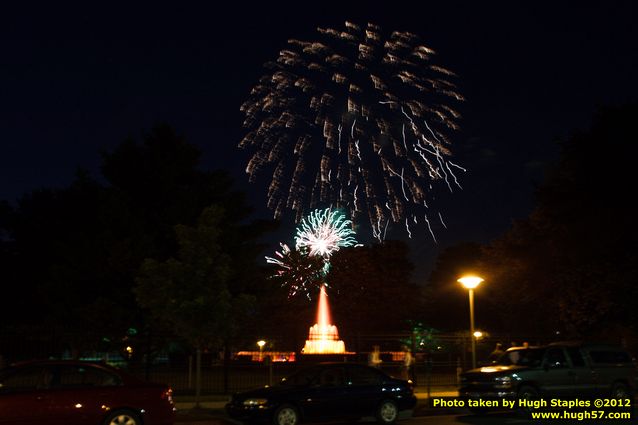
point(78, 80)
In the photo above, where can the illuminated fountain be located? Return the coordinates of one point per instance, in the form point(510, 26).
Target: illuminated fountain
point(324, 337)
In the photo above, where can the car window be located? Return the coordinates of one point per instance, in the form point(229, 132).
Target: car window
point(24, 379)
point(609, 356)
point(302, 377)
point(555, 358)
point(576, 356)
point(524, 357)
point(364, 376)
point(332, 377)
point(73, 376)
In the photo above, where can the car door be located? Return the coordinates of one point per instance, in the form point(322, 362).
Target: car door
point(364, 389)
point(582, 373)
point(78, 394)
point(557, 379)
point(610, 365)
point(24, 396)
point(326, 396)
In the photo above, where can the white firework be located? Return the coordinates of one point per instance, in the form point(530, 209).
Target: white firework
point(324, 232)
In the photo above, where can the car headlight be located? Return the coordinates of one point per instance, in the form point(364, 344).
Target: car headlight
point(255, 402)
point(503, 382)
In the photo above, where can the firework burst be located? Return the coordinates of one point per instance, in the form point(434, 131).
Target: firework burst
point(323, 232)
point(357, 119)
point(319, 235)
point(296, 270)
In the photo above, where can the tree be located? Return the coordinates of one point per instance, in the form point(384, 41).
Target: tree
point(371, 290)
point(73, 253)
point(189, 293)
point(573, 260)
point(59, 244)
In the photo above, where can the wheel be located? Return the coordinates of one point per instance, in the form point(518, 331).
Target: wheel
point(620, 390)
point(529, 394)
point(387, 412)
point(123, 417)
point(286, 415)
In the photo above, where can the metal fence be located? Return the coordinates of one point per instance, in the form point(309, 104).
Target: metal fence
point(435, 367)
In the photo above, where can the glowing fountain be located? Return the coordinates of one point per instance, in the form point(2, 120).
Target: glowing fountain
point(324, 337)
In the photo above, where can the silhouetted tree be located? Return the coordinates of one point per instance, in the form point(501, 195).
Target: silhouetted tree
point(371, 289)
point(574, 258)
point(74, 252)
point(189, 293)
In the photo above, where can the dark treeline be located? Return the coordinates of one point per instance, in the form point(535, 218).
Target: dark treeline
point(160, 247)
point(160, 250)
point(71, 257)
point(569, 268)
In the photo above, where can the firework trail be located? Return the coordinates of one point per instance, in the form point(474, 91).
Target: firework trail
point(356, 120)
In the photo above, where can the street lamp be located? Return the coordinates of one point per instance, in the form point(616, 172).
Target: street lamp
point(261, 344)
point(470, 283)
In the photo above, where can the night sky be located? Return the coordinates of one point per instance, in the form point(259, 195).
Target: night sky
point(79, 80)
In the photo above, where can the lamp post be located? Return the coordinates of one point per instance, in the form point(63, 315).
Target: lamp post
point(261, 344)
point(470, 283)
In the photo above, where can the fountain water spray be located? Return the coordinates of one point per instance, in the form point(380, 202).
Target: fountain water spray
point(324, 336)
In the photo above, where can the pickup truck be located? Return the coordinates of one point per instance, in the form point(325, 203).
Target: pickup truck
point(564, 370)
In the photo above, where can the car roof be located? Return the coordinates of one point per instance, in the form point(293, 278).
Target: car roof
point(42, 362)
point(522, 347)
point(88, 363)
point(589, 345)
point(126, 376)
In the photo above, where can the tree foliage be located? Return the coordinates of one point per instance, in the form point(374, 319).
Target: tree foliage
point(72, 254)
point(371, 288)
point(572, 263)
point(190, 293)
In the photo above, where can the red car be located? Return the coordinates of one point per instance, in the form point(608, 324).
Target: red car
point(53, 392)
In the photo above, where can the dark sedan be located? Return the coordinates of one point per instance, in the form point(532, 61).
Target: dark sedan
point(326, 391)
point(80, 393)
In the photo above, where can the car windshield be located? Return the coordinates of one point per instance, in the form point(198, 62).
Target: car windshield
point(522, 357)
point(302, 377)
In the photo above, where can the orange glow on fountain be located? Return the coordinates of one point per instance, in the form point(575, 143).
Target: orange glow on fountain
point(323, 337)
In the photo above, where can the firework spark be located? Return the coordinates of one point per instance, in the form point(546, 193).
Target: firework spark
point(358, 120)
